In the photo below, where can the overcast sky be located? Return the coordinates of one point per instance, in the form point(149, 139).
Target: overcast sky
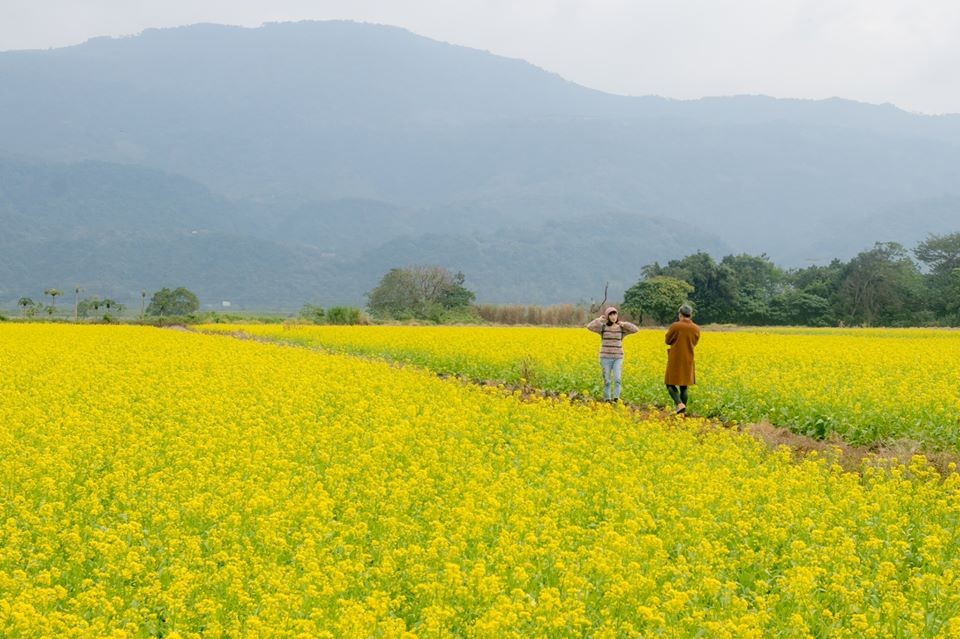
point(899, 51)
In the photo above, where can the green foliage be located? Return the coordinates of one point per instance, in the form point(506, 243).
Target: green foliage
point(461, 315)
point(343, 315)
point(218, 317)
point(758, 282)
point(657, 298)
point(395, 296)
point(881, 286)
point(456, 296)
point(88, 306)
point(178, 301)
point(799, 308)
point(419, 292)
point(53, 293)
point(822, 281)
point(941, 255)
point(313, 313)
point(714, 285)
point(28, 305)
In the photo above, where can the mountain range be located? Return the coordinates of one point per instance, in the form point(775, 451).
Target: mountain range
point(298, 162)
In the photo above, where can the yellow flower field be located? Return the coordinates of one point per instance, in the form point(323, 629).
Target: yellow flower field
point(160, 483)
point(867, 386)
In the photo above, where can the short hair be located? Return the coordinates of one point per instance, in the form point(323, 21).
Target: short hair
point(686, 310)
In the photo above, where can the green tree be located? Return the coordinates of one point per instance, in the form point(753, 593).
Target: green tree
point(881, 286)
point(178, 301)
point(395, 296)
point(822, 281)
point(113, 306)
point(798, 308)
point(758, 282)
point(714, 285)
point(941, 255)
point(53, 293)
point(657, 298)
point(424, 292)
point(456, 295)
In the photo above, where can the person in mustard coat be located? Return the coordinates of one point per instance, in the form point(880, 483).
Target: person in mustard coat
point(681, 338)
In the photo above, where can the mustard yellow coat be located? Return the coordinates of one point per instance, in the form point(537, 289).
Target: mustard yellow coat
point(682, 337)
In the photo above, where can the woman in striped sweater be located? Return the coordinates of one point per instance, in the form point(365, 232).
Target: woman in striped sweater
point(612, 331)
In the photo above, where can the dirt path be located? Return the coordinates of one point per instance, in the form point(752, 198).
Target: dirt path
point(849, 457)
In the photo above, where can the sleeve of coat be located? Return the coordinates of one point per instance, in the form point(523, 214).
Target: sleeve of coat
point(595, 325)
point(696, 337)
point(671, 336)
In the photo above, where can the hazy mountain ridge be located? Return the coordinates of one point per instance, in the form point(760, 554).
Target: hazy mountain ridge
point(71, 225)
point(323, 144)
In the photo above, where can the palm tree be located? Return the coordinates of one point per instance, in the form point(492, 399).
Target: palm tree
point(26, 303)
point(53, 292)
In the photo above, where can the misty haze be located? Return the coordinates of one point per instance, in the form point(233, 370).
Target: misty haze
point(301, 161)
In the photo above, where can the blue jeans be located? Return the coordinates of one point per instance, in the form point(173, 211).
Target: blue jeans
point(612, 368)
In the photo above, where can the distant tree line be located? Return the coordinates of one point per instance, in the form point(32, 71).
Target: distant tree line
point(886, 285)
point(178, 302)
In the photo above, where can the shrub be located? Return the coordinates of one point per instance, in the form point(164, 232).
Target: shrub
point(343, 315)
point(462, 315)
point(313, 313)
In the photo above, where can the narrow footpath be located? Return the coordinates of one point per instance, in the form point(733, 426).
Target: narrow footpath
point(849, 457)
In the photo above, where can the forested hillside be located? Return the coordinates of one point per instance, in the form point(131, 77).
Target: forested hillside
point(324, 148)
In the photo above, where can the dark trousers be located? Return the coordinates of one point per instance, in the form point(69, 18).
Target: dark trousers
point(679, 395)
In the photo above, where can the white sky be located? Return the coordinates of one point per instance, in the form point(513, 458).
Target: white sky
point(900, 51)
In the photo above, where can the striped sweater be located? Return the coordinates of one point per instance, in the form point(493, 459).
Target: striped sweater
point(611, 343)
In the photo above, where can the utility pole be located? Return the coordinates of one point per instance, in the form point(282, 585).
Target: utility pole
point(143, 300)
point(76, 304)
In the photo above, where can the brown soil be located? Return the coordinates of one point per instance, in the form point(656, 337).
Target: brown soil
point(848, 456)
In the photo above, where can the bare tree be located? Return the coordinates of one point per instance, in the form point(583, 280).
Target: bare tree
point(594, 309)
point(430, 282)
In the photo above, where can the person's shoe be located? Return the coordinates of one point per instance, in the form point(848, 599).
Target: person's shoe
point(681, 409)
